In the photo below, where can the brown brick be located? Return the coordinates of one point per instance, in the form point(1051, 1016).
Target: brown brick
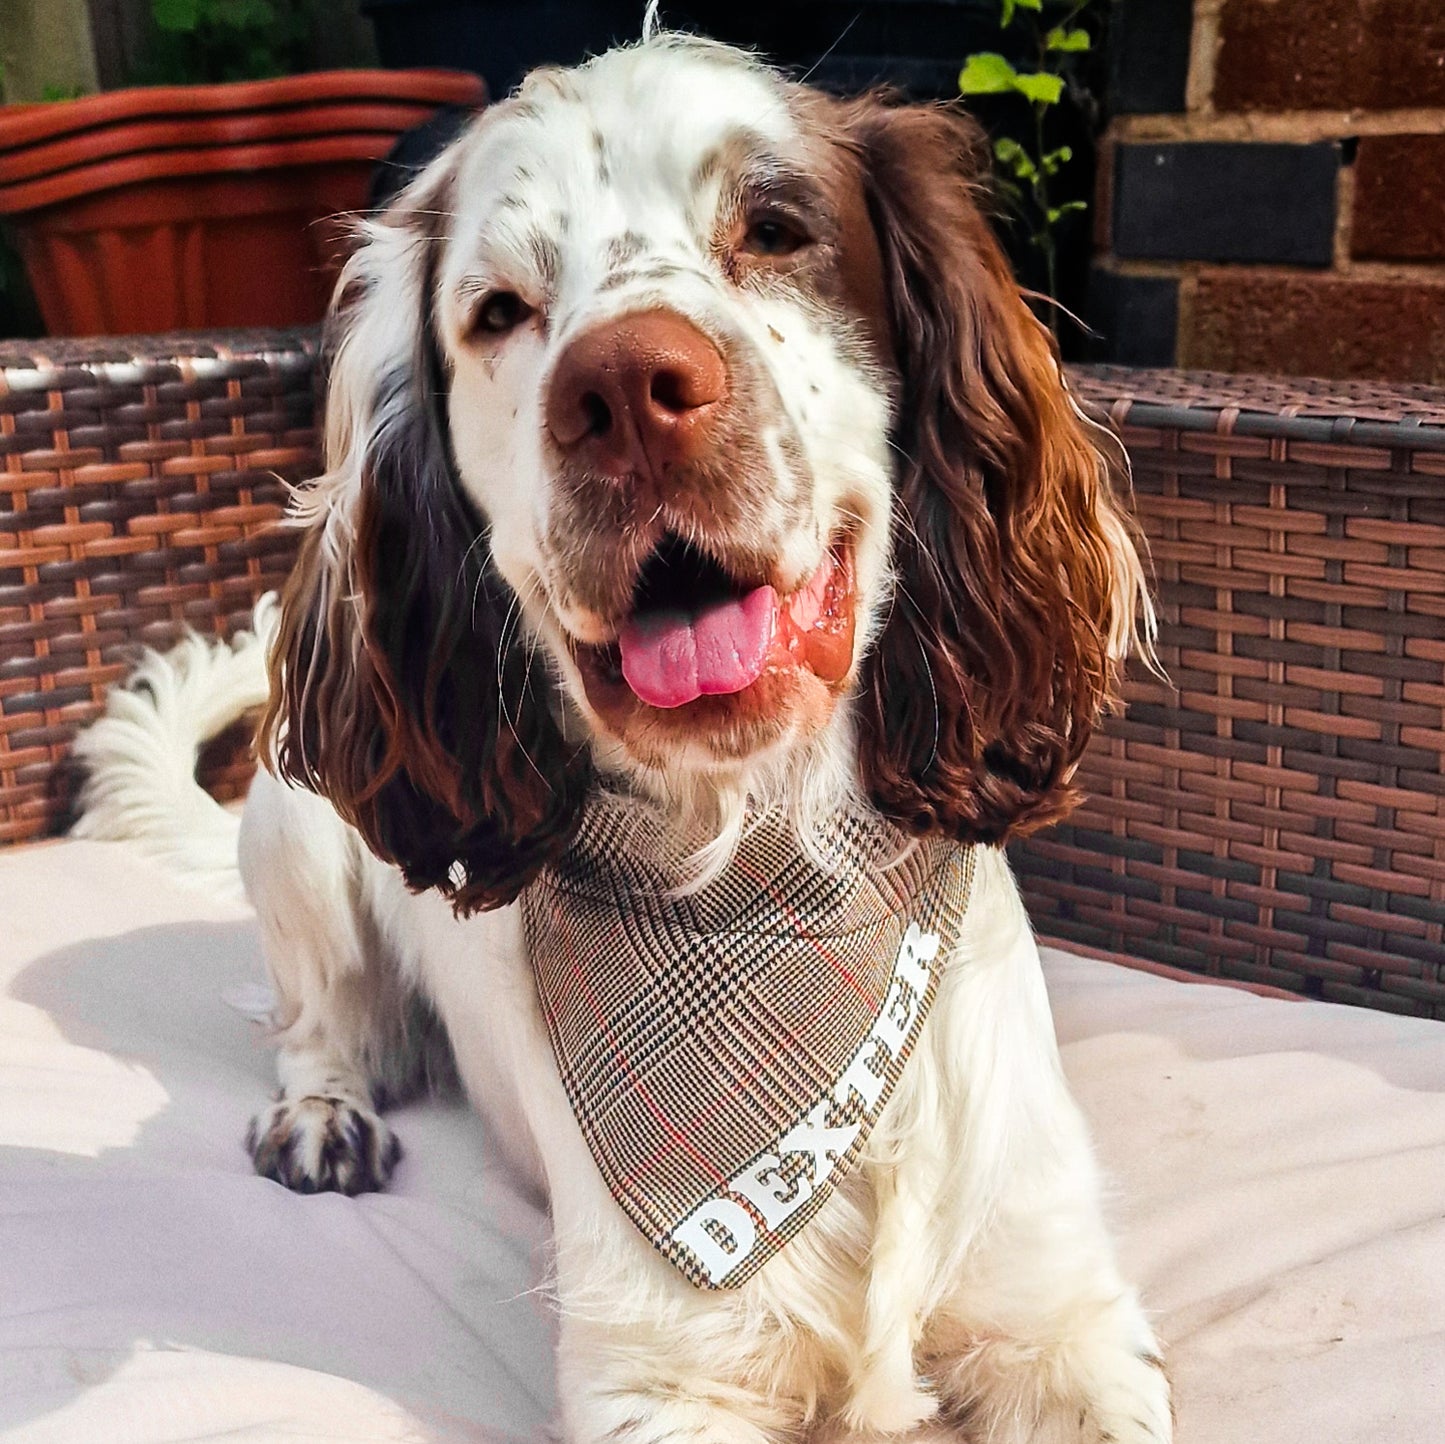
point(1330, 54)
point(1315, 326)
point(1399, 212)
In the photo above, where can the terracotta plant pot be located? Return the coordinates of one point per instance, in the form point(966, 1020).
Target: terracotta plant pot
point(140, 137)
point(184, 207)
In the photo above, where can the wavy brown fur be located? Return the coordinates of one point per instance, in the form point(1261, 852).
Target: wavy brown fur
point(994, 662)
point(402, 686)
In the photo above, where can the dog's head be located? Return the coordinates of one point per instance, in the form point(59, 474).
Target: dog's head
point(687, 422)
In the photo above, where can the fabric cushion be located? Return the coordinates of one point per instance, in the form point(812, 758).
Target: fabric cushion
point(1279, 1171)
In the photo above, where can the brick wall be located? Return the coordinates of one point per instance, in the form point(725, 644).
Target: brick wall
point(1272, 188)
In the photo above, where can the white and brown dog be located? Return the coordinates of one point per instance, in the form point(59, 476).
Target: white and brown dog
point(688, 436)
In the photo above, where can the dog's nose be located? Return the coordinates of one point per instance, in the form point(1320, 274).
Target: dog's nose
point(637, 395)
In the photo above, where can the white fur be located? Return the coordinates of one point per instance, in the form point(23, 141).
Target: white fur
point(960, 1283)
point(964, 1261)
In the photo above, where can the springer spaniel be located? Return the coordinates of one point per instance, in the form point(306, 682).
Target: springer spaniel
point(688, 443)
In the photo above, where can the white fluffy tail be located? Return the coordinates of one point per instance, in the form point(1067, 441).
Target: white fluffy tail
point(140, 757)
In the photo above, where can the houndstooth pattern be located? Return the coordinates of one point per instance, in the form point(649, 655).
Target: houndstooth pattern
point(699, 1034)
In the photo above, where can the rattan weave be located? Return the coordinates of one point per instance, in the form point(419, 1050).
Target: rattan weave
point(140, 483)
point(1275, 815)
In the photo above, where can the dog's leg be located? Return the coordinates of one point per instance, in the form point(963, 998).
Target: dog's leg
point(641, 1353)
point(346, 1022)
point(616, 1392)
point(1097, 1379)
point(1036, 1339)
point(1045, 1343)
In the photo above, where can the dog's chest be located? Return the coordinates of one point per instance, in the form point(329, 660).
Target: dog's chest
point(726, 1052)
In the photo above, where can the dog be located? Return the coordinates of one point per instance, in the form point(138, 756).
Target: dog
point(689, 443)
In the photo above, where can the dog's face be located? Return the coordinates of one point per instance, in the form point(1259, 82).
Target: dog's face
point(672, 291)
point(684, 420)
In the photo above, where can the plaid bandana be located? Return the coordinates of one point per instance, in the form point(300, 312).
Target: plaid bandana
point(727, 1052)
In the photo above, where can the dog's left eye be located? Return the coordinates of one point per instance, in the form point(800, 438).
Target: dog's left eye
point(774, 235)
point(501, 312)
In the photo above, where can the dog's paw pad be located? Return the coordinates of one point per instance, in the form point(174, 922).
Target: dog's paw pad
point(323, 1145)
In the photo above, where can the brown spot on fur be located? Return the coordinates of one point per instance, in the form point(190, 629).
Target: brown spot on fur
point(729, 157)
point(546, 256)
point(624, 248)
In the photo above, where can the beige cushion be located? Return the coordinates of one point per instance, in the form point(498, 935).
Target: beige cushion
point(1280, 1173)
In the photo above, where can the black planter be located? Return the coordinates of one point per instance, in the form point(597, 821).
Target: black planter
point(917, 45)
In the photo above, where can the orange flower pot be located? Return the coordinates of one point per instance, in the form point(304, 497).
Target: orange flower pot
point(185, 207)
point(251, 127)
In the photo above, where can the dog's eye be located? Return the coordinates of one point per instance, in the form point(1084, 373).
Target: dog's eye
point(774, 235)
point(501, 312)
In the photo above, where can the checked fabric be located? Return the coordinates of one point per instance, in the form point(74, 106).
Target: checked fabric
point(726, 1051)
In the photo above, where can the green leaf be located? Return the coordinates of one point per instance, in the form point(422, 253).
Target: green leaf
point(1054, 160)
point(1006, 18)
point(1040, 87)
point(180, 16)
point(1011, 154)
point(987, 74)
point(1055, 214)
point(1060, 39)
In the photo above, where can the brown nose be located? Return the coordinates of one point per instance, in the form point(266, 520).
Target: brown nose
point(638, 395)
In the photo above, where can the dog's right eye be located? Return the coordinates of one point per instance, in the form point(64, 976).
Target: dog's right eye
point(501, 312)
point(774, 236)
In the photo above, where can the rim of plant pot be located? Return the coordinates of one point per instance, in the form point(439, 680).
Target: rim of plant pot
point(87, 180)
point(248, 248)
point(27, 124)
point(113, 142)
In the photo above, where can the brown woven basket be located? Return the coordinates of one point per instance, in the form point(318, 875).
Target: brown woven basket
point(1276, 815)
point(140, 484)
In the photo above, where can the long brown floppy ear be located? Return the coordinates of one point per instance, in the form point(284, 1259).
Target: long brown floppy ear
point(401, 685)
point(1017, 582)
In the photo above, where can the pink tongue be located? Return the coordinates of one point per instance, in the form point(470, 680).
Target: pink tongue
point(670, 658)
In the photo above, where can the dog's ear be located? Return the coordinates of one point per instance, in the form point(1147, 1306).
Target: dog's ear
point(1018, 584)
point(402, 688)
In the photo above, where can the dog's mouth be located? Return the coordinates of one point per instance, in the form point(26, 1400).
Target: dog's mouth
point(698, 628)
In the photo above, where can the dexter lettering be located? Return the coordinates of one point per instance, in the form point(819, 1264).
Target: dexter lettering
point(777, 1183)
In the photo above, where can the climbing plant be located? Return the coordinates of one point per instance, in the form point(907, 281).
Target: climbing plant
point(1059, 36)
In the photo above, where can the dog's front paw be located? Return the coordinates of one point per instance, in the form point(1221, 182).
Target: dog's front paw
point(1130, 1401)
point(323, 1145)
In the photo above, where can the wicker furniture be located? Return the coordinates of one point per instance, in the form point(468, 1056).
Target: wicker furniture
point(1275, 813)
point(141, 480)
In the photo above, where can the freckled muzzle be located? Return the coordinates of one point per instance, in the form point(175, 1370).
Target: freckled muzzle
point(679, 487)
point(656, 428)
